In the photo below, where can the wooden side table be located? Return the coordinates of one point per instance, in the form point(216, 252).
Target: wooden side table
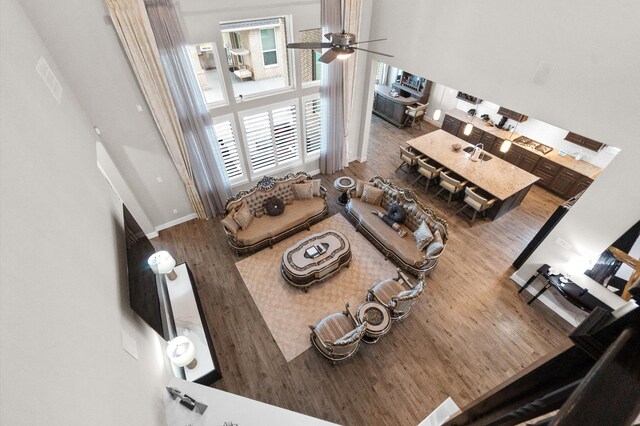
point(378, 320)
point(344, 184)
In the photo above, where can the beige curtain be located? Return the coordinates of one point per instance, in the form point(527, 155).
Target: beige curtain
point(352, 12)
point(132, 25)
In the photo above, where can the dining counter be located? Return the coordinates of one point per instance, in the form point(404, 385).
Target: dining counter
point(506, 182)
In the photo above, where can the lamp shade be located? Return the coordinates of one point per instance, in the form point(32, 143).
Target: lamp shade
point(346, 53)
point(161, 262)
point(506, 145)
point(181, 351)
point(437, 113)
point(468, 128)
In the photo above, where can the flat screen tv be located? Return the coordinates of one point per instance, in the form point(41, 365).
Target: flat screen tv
point(144, 298)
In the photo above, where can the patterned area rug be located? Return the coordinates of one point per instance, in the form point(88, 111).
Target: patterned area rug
point(289, 311)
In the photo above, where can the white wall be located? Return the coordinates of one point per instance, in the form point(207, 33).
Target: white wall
point(63, 298)
point(89, 54)
point(494, 53)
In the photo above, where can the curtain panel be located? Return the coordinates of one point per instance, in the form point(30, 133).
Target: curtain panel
point(196, 124)
point(332, 147)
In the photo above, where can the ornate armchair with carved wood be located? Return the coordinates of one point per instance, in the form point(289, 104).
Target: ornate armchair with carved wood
point(397, 295)
point(337, 336)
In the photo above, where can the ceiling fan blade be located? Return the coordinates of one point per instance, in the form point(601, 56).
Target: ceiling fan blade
point(371, 51)
point(328, 36)
point(308, 45)
point(368, 41)
point(328, 56)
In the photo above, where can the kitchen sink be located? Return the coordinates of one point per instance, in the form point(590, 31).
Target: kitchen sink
point(483, 157)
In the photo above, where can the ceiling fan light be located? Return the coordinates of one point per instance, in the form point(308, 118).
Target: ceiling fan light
point(436, 114)
point(344, 55)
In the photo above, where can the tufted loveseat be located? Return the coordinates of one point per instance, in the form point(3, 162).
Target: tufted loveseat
point(402, 250)
point(265, 230)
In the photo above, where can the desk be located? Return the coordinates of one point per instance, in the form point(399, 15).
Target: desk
point(576, 295)
point(506, 182)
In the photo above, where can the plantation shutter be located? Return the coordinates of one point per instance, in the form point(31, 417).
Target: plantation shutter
point(229, 149)
point(285, 133)
point(312, 125)
point(259, 141)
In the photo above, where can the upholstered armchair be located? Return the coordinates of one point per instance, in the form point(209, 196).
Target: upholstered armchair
point(398, 295)
point(337, 336)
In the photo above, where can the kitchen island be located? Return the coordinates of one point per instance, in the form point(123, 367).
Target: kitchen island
point(391, 108)
point(504, 181)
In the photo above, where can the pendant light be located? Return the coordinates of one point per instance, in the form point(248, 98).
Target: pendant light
point(437, 113)
point(506, 144)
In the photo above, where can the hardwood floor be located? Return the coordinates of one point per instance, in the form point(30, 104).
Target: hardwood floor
point(468, 332)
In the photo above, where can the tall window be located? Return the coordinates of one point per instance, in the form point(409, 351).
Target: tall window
point(257, 56)
point(229, 148)
point(204, 60)
point(269, 52)
point(271, 137)
point(312, 126)
point(311, 68)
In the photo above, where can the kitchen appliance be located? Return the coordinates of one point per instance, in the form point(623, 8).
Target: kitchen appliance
point(502, 122)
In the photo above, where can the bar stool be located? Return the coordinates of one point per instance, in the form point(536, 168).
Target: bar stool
point(477, 202)
point(409, 159)
point(427, 170)
point(452, 185)
point(414, 115)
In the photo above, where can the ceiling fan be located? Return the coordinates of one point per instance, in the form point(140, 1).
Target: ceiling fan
point(341, 45)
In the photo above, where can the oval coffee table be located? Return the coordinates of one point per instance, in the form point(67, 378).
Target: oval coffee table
point(315, 258)
point(378, 320)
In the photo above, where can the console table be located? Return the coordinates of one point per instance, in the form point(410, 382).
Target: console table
point(190, 321)
point(576, 295)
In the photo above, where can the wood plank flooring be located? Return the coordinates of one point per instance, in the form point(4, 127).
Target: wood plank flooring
point(468, 332)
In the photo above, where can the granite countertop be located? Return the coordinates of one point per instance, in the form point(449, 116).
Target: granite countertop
point(496, 176)
point(579, 166)
point(383, 90)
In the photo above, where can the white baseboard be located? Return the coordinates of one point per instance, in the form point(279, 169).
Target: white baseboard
point(548, 300)
point(314, 172)
point(174, 223)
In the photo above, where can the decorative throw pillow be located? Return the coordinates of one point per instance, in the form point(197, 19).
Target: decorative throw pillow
point(360, 187)
point(436, 246)
point(372, 195)
point(423, 236)
point(396, 212)
point(303, 191)
point(287, 194)
point(243, 216)
point(230, 224)
point(274, 206)
point(259, 213)
point(316, 186)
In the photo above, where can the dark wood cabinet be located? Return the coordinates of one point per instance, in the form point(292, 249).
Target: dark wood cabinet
point(580, 186)
point(476, 136)
point(489, 142)
point(512, 114)
point(584, 142)
point(563, 183)
point(522, 158)
point(451, 125)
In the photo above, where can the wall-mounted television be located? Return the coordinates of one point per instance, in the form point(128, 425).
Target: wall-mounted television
point(144, 297)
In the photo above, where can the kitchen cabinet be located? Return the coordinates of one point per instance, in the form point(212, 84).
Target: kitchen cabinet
point(584, 142)
point(414, 86)
point(580, 186)
point(522, 158)
point(451, 125)
point(512, 114)
point(564, 182)
point(546, 170)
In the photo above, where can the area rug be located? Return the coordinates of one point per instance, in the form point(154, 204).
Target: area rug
point(288, 311)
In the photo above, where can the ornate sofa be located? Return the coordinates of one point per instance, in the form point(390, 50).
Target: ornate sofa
point(403, 251)
point(265, 230)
